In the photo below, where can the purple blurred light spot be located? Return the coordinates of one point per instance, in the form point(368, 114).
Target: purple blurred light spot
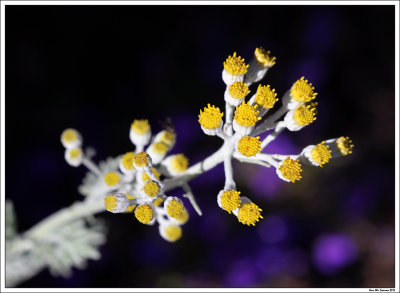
point(151, 252)
point(213, 228)
point(213, 176)
point(281, 145)
point(333, 252)
point(266, 182)
point(271, 261)
point(272, 229)
point(361, 200)
point(186, 133)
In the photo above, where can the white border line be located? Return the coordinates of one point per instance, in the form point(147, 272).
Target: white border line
point(200, 290)
point(205, 2)
point(2, 200)
point(397, 105)
point(2, 153)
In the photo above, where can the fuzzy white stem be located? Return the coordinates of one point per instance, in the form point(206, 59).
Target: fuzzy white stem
point(150, 173)
point(250, 160)
point(228, 119)
point(160, 216)
point(269, 122)
point(195, 170)
point(278, 129)
point(283, 157)
point(222, 134)
point(190, 196)
point(74, 212)
point(229, 182)
point(268, 159)
point(88, 163)
point(20, 245)
point(128, 178)
point(139, 148)
point(94, 205)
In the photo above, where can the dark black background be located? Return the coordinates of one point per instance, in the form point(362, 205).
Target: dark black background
point(96, 68)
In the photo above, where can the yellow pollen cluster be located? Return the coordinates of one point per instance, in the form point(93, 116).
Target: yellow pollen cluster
point(173, 232)
point(249, 214)
point(291, 169)
point(141, 159)
point(249, 146)
point(302, 91)
point(160, 148)
point(262, 57)
point(179, 163)
point(235, 65)
point(246, 114)
point(144, 213)
point(211, 117)
point(111, 178)
point(140, 126)
point(174, 209)
point(345, 145)
point(304, 115)
point(266, 97)
point(146, 177)
point(321, 153)
point(168, 137)
point(69, 135)
point(230, 200)
point(127, 161)
point(74, 153)
point(132, 207)
point(184, 217)
point(158, 201)
point(238, 90)
point(110, 202)
point(312, 106)
point(151, 188)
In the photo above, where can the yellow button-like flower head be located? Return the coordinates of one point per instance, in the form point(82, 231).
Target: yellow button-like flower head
point(265, 97)
point(345, 145)
point(304, 115)
point(170, 232)
point(141, 160)
point(211, 117)
point(249, 214)
point(71, 138)
point(144, 213)
point(321, 154)
point(228, 200)
point(111, 179)
point(151, 188)
point(235, 65)
point(249, 146)
point(263, 57)
point(174, 207)
point(289, 170)
point(302, 91)
point(246, 115)
point(126, 164)
point(140, 126)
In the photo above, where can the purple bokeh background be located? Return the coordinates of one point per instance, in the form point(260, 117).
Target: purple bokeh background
point(97, 68)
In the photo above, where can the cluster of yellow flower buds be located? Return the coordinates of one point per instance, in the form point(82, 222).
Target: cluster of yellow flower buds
point(244, 120)
point(138, 182)
point(135, 185)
